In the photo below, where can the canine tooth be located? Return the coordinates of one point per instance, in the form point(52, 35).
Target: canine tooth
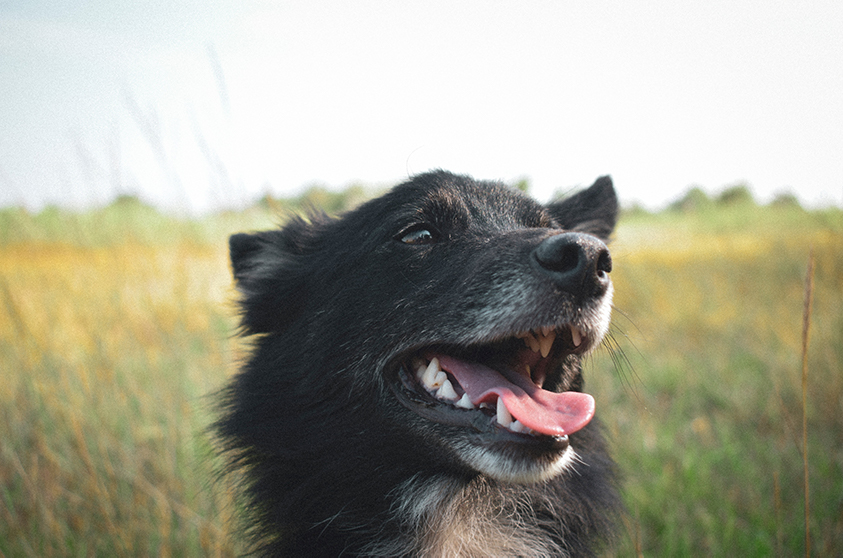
point(439, 379)
point(531, 342)
point(447, 392)
point(465, 402)
point(546, 342)
point(504, 418)
point(430, 373)
point(576, 336)
point(547, 330)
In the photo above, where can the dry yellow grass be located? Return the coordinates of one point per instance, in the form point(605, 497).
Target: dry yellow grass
point(111, 345)
point(108, 354)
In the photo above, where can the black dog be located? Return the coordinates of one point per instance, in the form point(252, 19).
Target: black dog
point(415, 385)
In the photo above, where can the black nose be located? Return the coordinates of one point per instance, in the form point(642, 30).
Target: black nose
point(577, 263)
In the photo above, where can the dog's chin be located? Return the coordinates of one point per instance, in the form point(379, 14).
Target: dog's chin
point(511, 463)
point(475, 423)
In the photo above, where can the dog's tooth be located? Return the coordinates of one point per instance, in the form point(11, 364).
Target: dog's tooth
point(420, 368)
point(544, 346)
point(532, 342)
point(439, 379)
point(547, 330)
point(446, 391)
point(524, 336)
point(516, 426)
point(504, 418)
point(465, 402)
point(546, 342)
point(576, 336)
point(430, 373)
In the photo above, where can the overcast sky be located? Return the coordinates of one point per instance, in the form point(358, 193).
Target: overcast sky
point(197, 104)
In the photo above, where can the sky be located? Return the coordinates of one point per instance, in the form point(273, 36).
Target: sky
point(199, 105)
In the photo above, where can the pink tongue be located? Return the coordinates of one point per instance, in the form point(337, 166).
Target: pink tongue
point(547, 412)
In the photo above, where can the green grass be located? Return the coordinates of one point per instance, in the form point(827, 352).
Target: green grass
point(707, 422)
point(115, 325)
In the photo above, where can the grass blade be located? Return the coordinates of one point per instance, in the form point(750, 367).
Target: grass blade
point(806, 329)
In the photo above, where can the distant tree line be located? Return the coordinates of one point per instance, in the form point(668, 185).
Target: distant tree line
point(321, 198)
point(318, 197)
point(738, 194)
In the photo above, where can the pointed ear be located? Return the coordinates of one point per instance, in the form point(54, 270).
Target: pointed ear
point(593, 211)
point(270, 279)
point(245, 251)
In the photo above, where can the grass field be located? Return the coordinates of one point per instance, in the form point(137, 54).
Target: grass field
point(116, 325)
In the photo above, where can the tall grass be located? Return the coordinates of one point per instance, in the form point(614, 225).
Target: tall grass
point(116, 325)
point(107, 355)
point(710, 317)
point(807, 308)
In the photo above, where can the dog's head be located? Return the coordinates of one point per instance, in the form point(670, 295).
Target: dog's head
point(447, 317)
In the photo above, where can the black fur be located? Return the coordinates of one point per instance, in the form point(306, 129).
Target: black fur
point(340, 455)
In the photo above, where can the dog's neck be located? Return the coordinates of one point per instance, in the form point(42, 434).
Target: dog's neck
point(479, 517)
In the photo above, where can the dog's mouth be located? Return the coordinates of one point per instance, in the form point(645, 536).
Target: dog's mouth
point(497, 388)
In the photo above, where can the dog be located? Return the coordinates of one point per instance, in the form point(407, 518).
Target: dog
point(414, 386)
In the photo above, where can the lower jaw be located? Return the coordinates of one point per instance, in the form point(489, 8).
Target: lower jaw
point(518, 464)
point(485, 446)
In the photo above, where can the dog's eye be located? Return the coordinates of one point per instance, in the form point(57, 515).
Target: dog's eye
point(418, 234)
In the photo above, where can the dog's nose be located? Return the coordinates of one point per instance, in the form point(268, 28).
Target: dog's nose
point(578, 263)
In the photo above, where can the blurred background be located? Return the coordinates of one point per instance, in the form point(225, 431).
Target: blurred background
point(200, 105)
point(135, 137)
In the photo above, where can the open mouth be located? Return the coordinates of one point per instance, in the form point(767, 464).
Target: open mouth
point(499, 388)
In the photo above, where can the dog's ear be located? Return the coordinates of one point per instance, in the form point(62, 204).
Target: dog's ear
point(245, 251)
point(270, 276)
point(593, 211)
